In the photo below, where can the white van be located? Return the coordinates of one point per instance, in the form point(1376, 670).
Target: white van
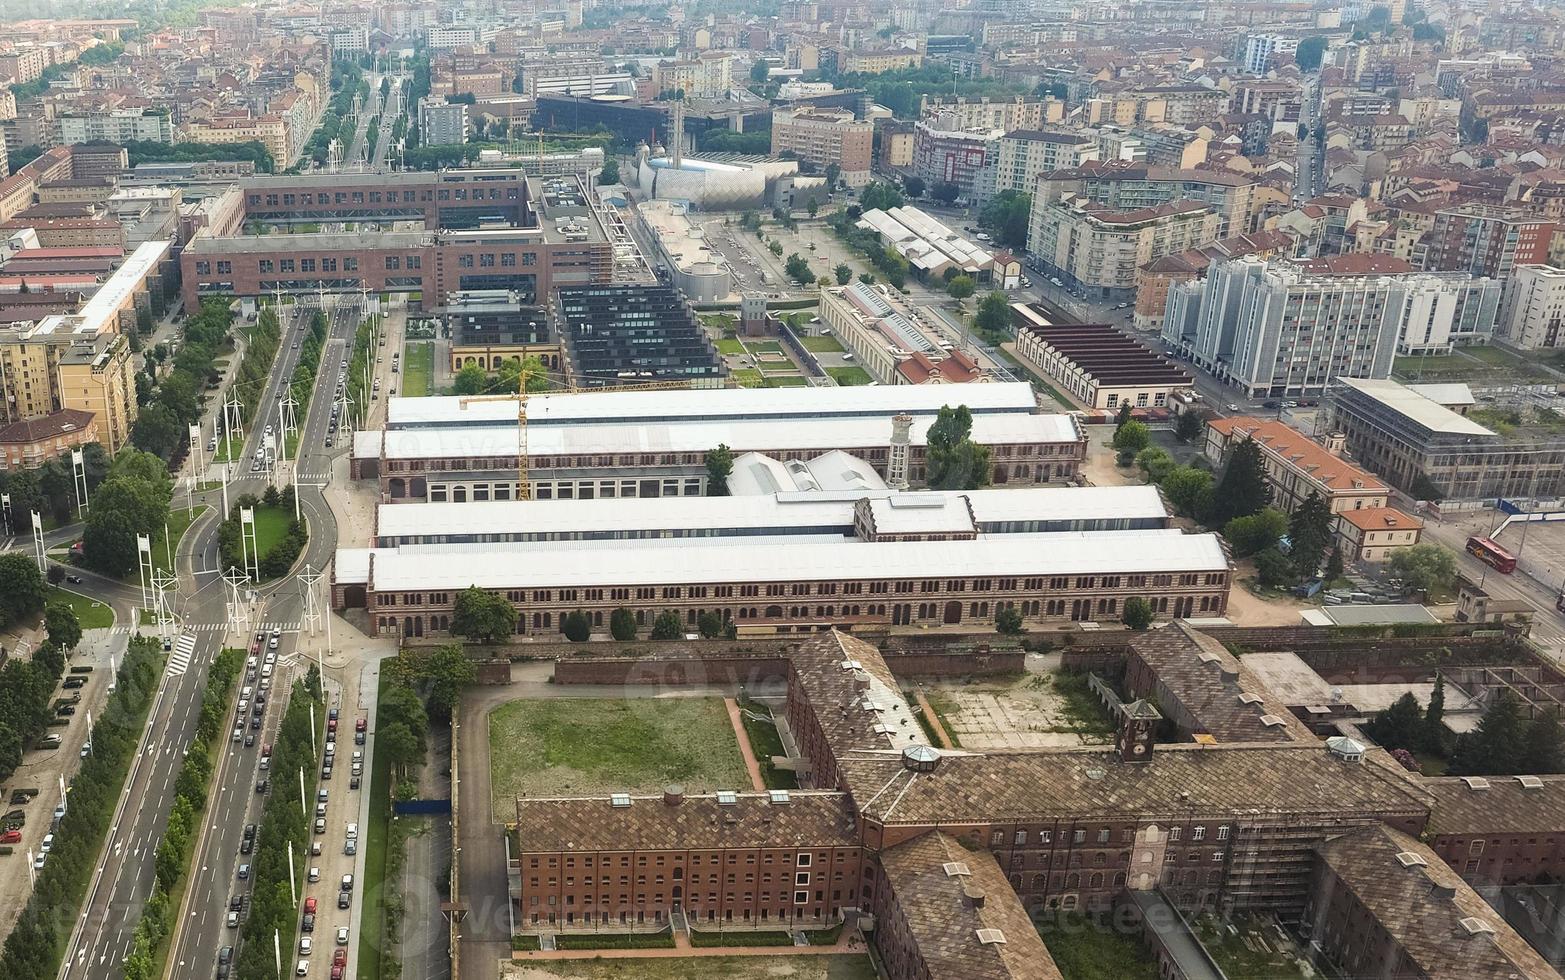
point(266, 671)
point(246, 692)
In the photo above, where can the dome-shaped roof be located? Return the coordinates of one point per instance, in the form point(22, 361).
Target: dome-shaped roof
point(921, 758)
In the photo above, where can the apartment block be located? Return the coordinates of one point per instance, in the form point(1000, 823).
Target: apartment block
point(270, 131)
point(1534, 310)
point(1128, 185)
point(1274, 328)
point(825, 137)
point(960, 112)
point(1022, 154)
point(441, 123)
point(1101, 248)
point(952, 156)
point(116, 126)
point(1486, 240)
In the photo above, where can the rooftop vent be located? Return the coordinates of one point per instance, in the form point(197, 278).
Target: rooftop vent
point(673, 795)
point(1208, 657)
point(619, 799)
point(1530, 782)
point(778, 796)
point(1475, 926)
point(954, 868)
point(727, 797)
point(852, 665)
point(1249, 698)
point(920, 758)
point(1476, 783)
point(1272, 721)
point(1410, 860)
point(994, 937)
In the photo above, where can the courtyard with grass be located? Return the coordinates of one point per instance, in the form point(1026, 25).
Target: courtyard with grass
point(597, 746)
point(418, 368)
point(850, 376)
point(1085, 950)
point(780, 967)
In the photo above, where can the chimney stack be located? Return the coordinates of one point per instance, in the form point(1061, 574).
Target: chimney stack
point(897, 461)
point(673, 795)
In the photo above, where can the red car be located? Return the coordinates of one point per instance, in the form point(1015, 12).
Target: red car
point(361, 724)
point(309, 906)
point(340, 956)
point(331, 726)
point(11, 837)
point(336, 971)
point(266, 750)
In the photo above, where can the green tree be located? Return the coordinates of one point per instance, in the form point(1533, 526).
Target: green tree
point(759, 71)
point(798, 269)
point(610, 172)
point(1138, 613)
point(1243, 489)
point(1309, 530)
point(1498, 746)
point(913, 185)
point(1273, 568)
point(719, 467)
point(879, 194)
point(1005, 216)
point(482, 616)
point(1008, 620)
point(1308, 54)
point(1133, 436)
point(1189, 491)
point(961, 287)
point(1155, 462)
point(1423, 488)
point(1334, 567)
point(994, 314)
point(1545, 746)
point(1400, 726)
point(22, 588)
point(470, 380)
point(1434, 718)
point(952, 460)
point(710, 624)
point(576, 627)
point(1426, 567)
point(445, 672)
point(622, 624)
point(401, 747)
point(945, 192)
point(844, 273)
point(1256, 532)
point(1188, 425)
point(775, 247)
point(65, 630)
point(1124, 415)
point(667, 626)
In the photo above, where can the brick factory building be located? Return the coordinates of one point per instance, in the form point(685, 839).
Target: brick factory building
point(484, 229)
point(1100, 366)
point(949, 856)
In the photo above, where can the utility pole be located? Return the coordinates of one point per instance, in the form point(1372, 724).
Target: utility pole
point(79, 481)
point(247, 543)
point(313, 614)
point(238, 608)
point(38, 552)
point(162, 583)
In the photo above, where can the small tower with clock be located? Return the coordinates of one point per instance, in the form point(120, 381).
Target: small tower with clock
point(1138, 722)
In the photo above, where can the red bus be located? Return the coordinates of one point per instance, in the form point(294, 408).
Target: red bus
point(1491, 554)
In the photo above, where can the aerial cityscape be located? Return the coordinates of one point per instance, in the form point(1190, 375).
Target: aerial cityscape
point(787, 490)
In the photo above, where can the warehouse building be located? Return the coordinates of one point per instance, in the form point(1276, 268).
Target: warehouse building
point(1100, 366)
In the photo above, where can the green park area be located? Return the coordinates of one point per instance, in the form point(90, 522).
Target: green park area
point(848, 376)
point(1086, 950)
point(91, 613)
point(418, 369)
point(593, 747)
point(828, 967)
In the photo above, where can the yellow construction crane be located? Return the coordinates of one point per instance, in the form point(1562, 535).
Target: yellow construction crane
point(568, 386)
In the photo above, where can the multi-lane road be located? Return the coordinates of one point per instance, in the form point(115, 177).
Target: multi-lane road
point(116, 896)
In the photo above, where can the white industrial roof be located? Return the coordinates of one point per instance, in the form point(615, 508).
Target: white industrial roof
point(96, 311)
point(698, 437)
point(920, 513)
point(1446, 393)
point(759, 512)
point(710, 403)
point(757, 473)
point(698, 560)
point(924, 241)
point(1430, 414)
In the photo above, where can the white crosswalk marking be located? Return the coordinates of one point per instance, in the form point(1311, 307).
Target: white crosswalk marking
point(179, 660)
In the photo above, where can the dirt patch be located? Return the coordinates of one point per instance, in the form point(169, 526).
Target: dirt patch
point(1031, 712)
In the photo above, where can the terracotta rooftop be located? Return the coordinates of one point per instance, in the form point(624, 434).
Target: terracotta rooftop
point(1356, 264)
point(1091, 784)
point(955, 368)
point(66, 420)
point(1224, 698)
point(962, 913)
point(1300, 452)
point(804, 817)
point(1381, 519)
point(1497, 805)
point(1446, 930)
point(853, 695)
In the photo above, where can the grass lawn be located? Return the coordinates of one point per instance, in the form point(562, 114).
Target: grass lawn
point(92, 613)
point(854, 375)
point(944, 709)
point(821, 345)
point(765, 743)
point(179, 522)
point(786, 381)
point(1494, 356)
point(719, 321)
point(418, 368)
point(374, 916)
point(749, 378)
point(611, 940)
point(730, 345)
point(781, 967)
point(764, 347)
point(228, 450)
point(592, 747)
point(1084, 950)
point(271, 524)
